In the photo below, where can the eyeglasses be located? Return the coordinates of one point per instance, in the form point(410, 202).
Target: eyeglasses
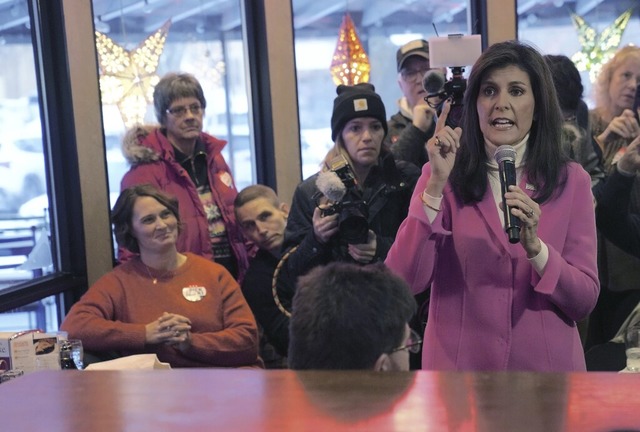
point(413, 344)
point(181, 111)
point(412, 74)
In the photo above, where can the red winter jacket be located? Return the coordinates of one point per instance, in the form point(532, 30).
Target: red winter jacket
point(152, 161)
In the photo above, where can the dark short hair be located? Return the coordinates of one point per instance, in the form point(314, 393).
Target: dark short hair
point(345, 316)
point(174, 86)
point(122, 213)
point(566, 80)
point(545, 161)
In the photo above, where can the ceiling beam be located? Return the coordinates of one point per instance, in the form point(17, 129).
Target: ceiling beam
point(188, 13)
point(583, 7)
point(317, 10)
point(526, 5)
point(377, 12)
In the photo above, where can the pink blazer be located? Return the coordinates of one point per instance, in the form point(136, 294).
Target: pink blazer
point(489, 308)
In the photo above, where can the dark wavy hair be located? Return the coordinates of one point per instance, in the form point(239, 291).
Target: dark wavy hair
point(346, 315)
point(545, 162)
point(567, 81)
point(122, 213)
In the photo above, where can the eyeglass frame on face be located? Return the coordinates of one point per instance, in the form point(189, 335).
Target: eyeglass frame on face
point(413, 345)
point(181, 111)
point(411, 74)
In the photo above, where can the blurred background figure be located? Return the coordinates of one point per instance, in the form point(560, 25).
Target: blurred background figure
point(618, 224)
point(187, 310)
point(347, 316)
point(413, 124)
point(613, 127)
point(614, 217)
point(577, 140)
point(263, 218)
point(178, 158)
point(500, 303)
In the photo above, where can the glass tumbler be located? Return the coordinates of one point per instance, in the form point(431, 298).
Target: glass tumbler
point(632, 346)
point(72, 354)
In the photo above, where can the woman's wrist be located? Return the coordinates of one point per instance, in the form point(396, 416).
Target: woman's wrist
point(434, 188)
point(434, 203)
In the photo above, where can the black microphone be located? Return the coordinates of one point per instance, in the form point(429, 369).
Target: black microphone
point(505, 156)
point(433, 81)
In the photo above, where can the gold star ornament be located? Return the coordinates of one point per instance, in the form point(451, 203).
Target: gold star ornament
point(598, 48)
point(127, 78)
point(350, 64)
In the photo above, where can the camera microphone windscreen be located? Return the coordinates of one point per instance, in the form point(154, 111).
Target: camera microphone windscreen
point(433, 81)
point(331, 186)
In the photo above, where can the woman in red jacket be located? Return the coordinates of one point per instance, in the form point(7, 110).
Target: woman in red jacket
point(181, 160)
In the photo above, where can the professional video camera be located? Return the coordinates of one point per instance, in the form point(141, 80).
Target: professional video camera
point(454, 49)
point(340, 186)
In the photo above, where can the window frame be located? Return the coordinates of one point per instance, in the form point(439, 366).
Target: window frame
point(61, 162)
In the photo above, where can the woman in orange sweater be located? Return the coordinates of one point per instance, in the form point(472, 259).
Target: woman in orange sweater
point(182, 307)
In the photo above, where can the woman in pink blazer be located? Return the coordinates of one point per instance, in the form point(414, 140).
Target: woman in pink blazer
point(497, 305)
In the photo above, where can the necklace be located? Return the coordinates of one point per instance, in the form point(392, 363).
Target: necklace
point(153, 278)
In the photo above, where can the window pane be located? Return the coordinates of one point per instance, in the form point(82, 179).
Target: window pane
point(549, 25)
point(42, 315)
point(383, 26)
point(25, 250)
point(204, 38)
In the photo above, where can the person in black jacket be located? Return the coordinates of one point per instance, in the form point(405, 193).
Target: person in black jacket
point(262, 217)
point(621, 227)
point(414, 123)
point(376, 185)
point(613, 199)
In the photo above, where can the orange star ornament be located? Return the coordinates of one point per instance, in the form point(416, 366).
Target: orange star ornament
point(350, 64)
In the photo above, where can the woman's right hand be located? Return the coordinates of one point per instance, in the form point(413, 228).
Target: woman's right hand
point(324, 227)
point(442, 149)
point(625, 126)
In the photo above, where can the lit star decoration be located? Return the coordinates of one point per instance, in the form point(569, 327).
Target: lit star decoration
point(350, 64)
point(598, 48)
point(127, 78)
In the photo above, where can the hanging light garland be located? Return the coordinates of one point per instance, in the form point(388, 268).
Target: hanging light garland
point(597, 48)
point(350, 64)
point(127, 78)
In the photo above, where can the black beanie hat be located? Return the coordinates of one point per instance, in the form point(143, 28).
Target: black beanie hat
point(360, 100)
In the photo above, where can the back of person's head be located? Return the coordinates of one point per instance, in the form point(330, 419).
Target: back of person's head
point(567, 82)
point(122, 213)
point(345, 316)
point(254, 192)
point(601, 88)
point(175, 86)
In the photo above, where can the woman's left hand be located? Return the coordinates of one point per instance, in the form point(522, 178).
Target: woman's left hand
point(365, 252)
point(528, 211)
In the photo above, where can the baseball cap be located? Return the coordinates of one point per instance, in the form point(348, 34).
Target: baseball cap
point(418, 47)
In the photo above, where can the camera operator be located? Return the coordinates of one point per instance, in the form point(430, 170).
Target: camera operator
point(413, 124)
point(381, 189)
